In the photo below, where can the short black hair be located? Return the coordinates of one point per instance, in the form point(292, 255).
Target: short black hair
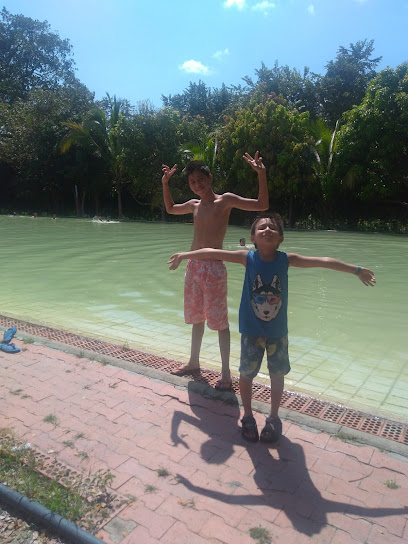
point(273, 216)
point(198, 166)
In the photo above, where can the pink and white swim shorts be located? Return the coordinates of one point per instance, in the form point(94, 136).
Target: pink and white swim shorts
point(205, 294)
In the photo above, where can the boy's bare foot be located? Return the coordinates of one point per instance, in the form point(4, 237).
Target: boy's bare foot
point(185, 369)
point(224, 385)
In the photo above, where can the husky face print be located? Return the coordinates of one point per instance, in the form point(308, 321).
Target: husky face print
point(266, 298)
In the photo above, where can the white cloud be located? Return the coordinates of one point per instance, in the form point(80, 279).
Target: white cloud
point(264, 6)
point(311, 9)
point(219, 54)
point(240, 4)
point(194, 67)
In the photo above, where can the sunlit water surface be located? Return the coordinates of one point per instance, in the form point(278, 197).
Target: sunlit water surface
point(348, 342)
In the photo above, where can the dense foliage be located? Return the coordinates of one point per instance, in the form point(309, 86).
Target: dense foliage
point(335, 145)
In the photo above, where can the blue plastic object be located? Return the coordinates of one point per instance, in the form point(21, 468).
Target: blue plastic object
point(8, 335)
point(9, 348)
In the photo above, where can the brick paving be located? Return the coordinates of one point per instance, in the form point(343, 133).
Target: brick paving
point(179, 459)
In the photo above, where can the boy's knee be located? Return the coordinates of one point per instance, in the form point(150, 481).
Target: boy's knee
point(246, 379)
point(277, 380)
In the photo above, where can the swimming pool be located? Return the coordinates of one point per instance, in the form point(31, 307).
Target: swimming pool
point(348, 342)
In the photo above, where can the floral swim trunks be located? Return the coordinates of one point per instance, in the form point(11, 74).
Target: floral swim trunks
point(252, 352)
point(205, 294)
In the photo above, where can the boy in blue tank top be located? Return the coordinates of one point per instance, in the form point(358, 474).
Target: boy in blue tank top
point(263, 312)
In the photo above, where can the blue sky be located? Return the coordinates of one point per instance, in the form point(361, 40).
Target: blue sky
point(141, 49)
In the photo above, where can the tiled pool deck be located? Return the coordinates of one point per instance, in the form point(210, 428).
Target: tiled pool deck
point(304, 404)
point(181, 471)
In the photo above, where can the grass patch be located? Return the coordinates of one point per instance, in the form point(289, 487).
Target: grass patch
point(50, 418)
point(344, 437)
point(16, 392)
point(82, 501)
point(150, 488)
point(261, 534)
point(83, 455)
point(234, 484)
point(392, 484)
point(163, 472)
point(28, 341)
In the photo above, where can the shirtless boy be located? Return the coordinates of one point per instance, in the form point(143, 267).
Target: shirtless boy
point(205, 284)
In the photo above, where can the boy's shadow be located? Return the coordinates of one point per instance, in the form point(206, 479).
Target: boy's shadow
point(284, 480)
point(222, 434)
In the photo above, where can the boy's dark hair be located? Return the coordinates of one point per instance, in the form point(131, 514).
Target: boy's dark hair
point(194, 166)
point(273, 216)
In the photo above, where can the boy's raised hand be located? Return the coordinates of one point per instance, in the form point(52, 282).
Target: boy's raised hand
point(367, 277)
point(167, 172)
point(255, 163)
point(174, 261)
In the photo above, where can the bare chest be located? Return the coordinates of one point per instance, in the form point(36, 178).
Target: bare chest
point(215, 212)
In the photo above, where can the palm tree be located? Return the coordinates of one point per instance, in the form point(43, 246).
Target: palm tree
point(102, 138)
point(324, 149)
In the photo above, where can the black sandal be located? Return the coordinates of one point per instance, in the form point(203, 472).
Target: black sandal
point(272, 431)
point(249, 429)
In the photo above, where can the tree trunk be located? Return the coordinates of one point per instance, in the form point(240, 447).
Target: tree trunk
point(96, 204)
point(120, 209)
point(77, 205)
point(83, 204)
point(290, 212)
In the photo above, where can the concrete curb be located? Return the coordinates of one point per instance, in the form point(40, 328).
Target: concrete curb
point(44, 517)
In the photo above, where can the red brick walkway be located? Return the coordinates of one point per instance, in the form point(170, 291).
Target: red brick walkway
point(313, 488)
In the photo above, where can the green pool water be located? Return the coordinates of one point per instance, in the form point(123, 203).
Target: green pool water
point(348, 342)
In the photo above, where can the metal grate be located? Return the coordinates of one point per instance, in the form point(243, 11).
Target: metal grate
point(391, 430)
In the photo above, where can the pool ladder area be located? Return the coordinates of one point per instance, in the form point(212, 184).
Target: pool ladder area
point(304, 404)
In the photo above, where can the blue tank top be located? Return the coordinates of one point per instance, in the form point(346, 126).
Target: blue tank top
point(264, 303)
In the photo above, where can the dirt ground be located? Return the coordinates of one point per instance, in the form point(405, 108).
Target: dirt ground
point(15, 530)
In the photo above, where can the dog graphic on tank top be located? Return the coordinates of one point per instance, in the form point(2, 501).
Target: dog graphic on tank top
point(266, 298)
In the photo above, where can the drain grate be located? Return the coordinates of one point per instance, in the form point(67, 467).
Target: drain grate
point(391, 430)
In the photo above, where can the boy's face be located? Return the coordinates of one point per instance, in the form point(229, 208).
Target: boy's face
point(199, 183)
point(266, 234)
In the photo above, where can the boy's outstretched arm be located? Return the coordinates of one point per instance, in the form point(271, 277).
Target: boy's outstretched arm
point(208, 254)
point(365, 275)
point(175, 209)
point(253, 204)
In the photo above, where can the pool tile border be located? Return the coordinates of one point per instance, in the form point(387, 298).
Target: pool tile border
point(304, 404)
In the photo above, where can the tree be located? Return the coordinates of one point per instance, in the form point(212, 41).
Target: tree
point(29, 141)
point(346, 79)
point(158, 137)
point(283, 137)
point(104, 139)
point(323, 144)
point(211, 104)
point(31, 57)
point(298, 90)
point(372, 143)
